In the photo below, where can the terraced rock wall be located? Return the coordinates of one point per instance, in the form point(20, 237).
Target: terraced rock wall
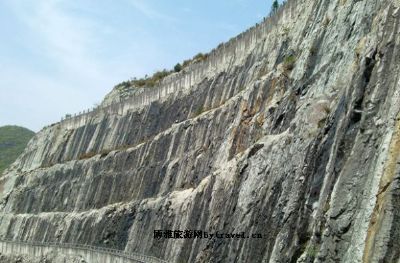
point(290, 132)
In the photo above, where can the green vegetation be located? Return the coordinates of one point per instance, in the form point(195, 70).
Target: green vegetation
point(147, 82)
point(124, 84)
point(13, 140)
point(199, 57)
point(312, 251)
point(289, 62)
point(157, 77)
point(178, 67)
point(196, 59)
point(275, 7)
point(199, 111)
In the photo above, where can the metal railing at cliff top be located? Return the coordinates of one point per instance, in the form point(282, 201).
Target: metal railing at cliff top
point(135, 257)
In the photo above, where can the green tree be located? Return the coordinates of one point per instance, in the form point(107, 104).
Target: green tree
point(178, 67)
point(275, 6)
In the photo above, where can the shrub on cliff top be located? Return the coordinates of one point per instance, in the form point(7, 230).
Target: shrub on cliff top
point(146, 81)
point(178, 67)
point(157, 77)
point(199, 57)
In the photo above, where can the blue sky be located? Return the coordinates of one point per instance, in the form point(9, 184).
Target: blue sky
point(63, 56)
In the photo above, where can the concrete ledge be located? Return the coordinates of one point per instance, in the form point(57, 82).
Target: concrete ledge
point(88, 253)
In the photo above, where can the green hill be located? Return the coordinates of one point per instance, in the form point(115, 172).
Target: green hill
point(13, 140)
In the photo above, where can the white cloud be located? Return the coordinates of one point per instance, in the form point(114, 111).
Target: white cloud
point(150, 12)
point(62, 38)
point(72, 78)
point(79, 58)
point(65, 55)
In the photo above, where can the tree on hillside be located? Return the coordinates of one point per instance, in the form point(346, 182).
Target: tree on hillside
point(275, 6)
point(178, 67)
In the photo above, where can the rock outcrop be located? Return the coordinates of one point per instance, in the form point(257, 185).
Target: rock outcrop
point(43, 259)
point(290, 131)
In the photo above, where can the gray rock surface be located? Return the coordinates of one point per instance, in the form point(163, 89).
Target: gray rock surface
point(120, 93)
point(44, 259)
point(295, 136)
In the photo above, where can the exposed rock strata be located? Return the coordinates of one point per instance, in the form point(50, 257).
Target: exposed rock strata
point(43, 259)
point(298, 142)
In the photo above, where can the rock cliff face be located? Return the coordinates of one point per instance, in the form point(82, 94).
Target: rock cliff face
point(291, 131)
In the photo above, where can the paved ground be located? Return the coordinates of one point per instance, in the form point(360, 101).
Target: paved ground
point(44, 259)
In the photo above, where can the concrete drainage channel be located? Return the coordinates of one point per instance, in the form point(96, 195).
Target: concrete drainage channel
point(90, 254)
